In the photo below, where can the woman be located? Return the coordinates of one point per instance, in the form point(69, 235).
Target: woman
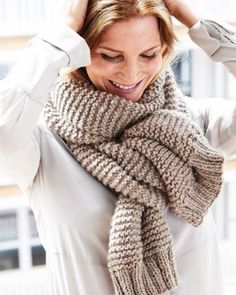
point(99, 122)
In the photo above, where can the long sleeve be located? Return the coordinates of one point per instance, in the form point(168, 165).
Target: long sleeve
point(216, 116)
point(217, 40)
point(24, 92)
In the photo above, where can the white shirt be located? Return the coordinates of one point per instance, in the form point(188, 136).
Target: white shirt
point(72, 209)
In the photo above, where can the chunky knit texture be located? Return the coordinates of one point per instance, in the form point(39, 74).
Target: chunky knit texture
point(151, 155)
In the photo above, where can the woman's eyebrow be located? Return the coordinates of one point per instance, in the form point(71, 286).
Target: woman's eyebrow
point(115, 50)
point(154, 47)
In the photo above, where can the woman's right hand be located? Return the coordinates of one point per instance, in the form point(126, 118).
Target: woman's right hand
point(76, 13)
point(185, 13)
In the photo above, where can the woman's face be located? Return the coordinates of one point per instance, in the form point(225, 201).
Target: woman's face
point(127, 58)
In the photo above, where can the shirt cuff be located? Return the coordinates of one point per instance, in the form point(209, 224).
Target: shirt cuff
point(64, 38)
point(211, 35)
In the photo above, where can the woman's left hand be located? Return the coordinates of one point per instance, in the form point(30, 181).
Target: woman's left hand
point(182, 12)
point(173, 6)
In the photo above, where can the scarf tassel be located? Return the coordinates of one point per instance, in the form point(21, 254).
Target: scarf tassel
point(153, 275)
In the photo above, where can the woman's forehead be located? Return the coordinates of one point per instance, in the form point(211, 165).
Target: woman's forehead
point(139, 31)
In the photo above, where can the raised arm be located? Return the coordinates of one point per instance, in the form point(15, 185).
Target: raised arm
point(216, 116)
point(182, 12)
point(217, 39)
point(24, 92)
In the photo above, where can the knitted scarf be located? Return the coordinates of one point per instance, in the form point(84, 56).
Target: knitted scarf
point(151, 155)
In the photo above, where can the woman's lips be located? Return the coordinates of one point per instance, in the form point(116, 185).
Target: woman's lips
point(121, 88)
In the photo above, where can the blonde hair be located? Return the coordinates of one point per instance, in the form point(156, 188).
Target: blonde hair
point(101, 14)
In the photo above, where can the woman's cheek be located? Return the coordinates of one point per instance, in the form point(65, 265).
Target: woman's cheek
point(155, 67)
point(109, 71)
point(102, 67)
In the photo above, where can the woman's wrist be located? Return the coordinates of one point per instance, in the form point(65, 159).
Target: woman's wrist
point(74, 24)
point(186, 15)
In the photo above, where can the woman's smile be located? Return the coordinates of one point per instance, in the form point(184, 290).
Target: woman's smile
point(121, 89)
point(124, 87)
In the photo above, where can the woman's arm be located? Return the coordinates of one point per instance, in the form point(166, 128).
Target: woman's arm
point(217, 117)
point(24, 92)
point(182, 12)
point(218, 40)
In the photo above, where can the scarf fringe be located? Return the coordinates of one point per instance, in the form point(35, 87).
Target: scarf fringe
point(152, 275)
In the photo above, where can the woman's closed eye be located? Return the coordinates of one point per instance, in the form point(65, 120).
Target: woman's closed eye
point(155, 54)
point(120, 58)
point(112, 58)
point(149, 57)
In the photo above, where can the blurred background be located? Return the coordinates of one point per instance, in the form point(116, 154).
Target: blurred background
point(22, 258)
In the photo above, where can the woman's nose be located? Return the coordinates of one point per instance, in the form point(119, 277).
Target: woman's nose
point(131, 71)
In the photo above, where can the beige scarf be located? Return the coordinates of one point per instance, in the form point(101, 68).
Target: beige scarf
point(151, 155)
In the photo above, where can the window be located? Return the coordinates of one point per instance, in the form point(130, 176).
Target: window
point(4, 69)
point(8, 226)
point(9, 259)
point(20, 247)
point(38, 255)
point(182, 71)
point(32, 224)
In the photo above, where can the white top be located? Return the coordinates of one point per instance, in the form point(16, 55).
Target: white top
point(72, 209)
